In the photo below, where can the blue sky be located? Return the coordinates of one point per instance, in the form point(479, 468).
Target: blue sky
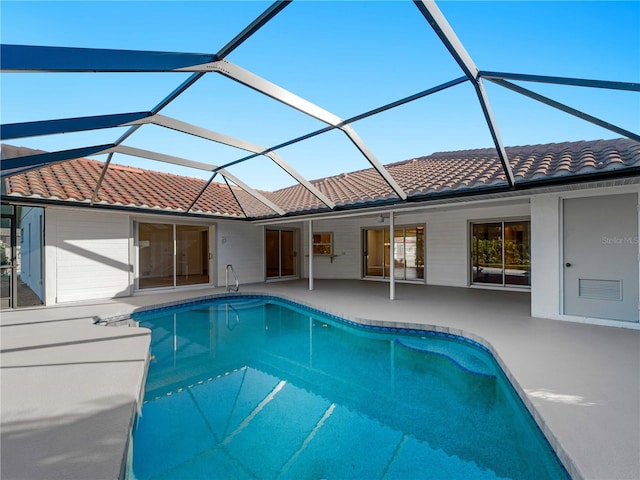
point(347, 57)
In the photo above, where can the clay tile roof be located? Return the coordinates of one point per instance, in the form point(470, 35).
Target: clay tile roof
point(438, 173)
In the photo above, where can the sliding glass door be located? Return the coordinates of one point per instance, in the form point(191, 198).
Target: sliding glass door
point(500, 253)
point(408, 252)
point(172, 255)
point(21, 256)
point(280, 253)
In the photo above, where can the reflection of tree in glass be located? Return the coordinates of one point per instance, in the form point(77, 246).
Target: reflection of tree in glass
point(487, 252)
point(517, 254)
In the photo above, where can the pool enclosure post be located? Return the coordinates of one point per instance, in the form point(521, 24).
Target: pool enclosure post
point(310, 254)
point(392, 266)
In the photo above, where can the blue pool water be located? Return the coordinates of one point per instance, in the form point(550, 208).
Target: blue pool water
point(263, 388)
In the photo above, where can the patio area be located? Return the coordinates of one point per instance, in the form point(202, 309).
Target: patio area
point(69, 388)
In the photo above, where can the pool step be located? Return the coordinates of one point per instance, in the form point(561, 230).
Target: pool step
point(467, 360)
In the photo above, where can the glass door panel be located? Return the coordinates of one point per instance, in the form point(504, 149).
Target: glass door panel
point(516, 253)
point(287, 253)
point(7, 233)
point(414, 253)
point(399, 254)
point(21, 256)
point(192, 255)
point(487, 253)
point(408, 253)
point(272, 247)
point(374, 253)
point(386, 248)
point(156, 265)
point(29, 266)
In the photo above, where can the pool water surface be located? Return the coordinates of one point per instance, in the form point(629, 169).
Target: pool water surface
point(264, 388)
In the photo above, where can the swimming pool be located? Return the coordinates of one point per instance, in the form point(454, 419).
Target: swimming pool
point(260, 387)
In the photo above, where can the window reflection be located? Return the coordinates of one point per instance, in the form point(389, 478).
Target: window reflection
point(516, 253)
point(500, 253)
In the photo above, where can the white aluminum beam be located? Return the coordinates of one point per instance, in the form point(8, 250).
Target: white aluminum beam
point(101, 178)
point(303, 181)
point(495, 134)
point(161, 157)
point(280, 94)
point(205, 133)
point(448, 37)
point(184, 127)
point(272, 90)
point(353, 136)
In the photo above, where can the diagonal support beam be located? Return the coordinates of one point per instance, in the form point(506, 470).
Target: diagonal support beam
point(253, 27)
point(448, 37)
point(495, 135)
point(43, 159)
point(103, 173)
point(567, 109)
point(10, 131)
point(161, 157)
point(361, 116)
point(184, 127)
point(577, 82)
point(301, 180)
point(34, 59)
point(284, 96)
point(450, 40)
point(272, 90)
point(355, 139)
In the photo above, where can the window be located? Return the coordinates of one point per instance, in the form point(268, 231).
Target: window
point(323, 243)
point(500, 253)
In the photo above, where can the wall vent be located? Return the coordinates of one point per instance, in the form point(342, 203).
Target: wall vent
point(600, 289)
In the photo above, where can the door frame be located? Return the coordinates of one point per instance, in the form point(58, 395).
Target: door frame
point(296, 257)
point(135, 253)
point(13, 255)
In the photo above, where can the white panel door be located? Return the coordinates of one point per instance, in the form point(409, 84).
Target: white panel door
point(601, 257)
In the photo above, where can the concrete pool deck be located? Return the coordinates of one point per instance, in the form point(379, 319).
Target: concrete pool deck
point(69, 389)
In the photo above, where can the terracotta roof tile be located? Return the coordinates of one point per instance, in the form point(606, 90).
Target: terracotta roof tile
point(434, 174)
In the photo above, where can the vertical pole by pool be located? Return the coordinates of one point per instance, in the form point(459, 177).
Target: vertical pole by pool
point(310, 254)
point(392, 266)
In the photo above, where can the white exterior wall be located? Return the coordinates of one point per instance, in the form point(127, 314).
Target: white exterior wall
point(87, 255)
point(546, 253)
point(241, 245)
point(346, 261)
point(91, 254)
point(447, 240)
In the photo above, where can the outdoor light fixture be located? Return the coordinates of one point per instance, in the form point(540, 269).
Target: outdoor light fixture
point(380, 218)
